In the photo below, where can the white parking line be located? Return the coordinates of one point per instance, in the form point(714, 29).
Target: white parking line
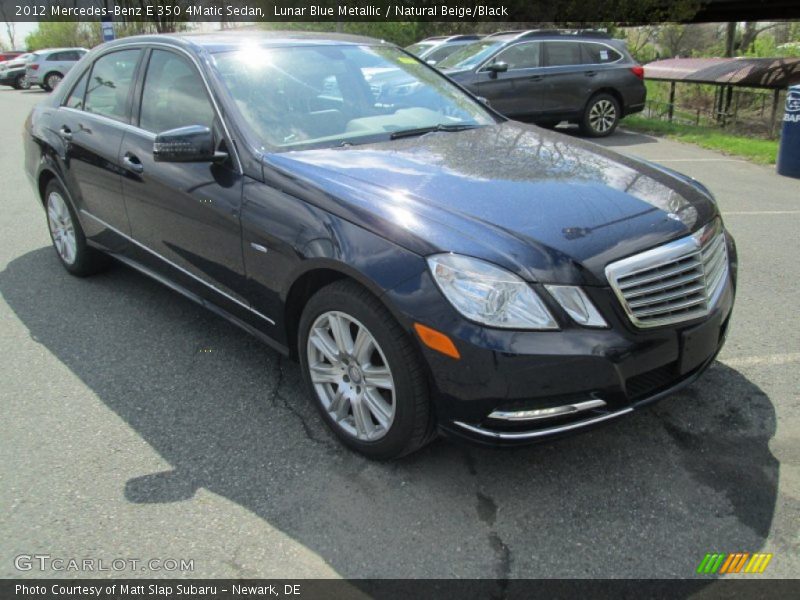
point(764, 359)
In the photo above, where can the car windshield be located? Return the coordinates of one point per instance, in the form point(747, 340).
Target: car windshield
point(420, 48)
point(470, 55)
point(321, 96)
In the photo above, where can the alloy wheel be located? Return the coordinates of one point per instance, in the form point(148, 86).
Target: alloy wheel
point(61, 228)
point(602, 116)
point(351, 376)
point(53, 81)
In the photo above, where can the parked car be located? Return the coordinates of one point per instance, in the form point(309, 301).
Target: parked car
point(435, 49)
point(13, 72)
point(9, 55)
point(432, 265)
point(583, 77)
point(49, 66)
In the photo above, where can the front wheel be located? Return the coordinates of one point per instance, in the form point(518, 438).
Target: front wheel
point(22, 83)
point(601, 116)
point(364, 373)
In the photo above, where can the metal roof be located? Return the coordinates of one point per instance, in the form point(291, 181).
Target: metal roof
point(766, 73)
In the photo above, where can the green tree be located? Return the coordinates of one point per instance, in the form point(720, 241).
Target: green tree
point(64, 34)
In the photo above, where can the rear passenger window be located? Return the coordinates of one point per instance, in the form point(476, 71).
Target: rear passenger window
point(563, 53)
point(174, 94)
point(110, 84)
point(521, 56)
point(75, 99)
point(71, 55)
point(598, 54)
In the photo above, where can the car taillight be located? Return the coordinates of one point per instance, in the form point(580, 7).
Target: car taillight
point(33, 67)
point(638, 70)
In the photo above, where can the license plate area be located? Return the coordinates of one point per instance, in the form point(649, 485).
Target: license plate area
point(698, 344)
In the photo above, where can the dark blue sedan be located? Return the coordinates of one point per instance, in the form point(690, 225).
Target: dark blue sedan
point(433, 266)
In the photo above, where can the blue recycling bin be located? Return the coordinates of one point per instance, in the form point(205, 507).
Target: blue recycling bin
point(789, 150)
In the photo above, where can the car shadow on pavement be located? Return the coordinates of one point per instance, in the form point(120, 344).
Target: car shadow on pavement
point(646, 496)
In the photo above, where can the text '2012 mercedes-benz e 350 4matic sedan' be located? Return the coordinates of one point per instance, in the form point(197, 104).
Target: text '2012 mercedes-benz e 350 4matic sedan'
point(433, 266)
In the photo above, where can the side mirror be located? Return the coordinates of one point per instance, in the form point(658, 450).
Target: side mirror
point(482, 100)
point(497, 67)
point(194, 143)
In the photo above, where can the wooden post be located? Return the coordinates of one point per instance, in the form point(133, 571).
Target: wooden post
point(671, 100)
point(775, 98)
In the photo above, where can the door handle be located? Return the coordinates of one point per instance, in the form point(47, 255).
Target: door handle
point(132, 163)
point(535, 78)
point(590, 73)
point(65, 132)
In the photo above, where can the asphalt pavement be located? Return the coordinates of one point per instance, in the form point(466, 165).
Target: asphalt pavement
point(136, 425)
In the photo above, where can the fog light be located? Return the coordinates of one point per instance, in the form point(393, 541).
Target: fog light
point(546, 413)
point(577, 305)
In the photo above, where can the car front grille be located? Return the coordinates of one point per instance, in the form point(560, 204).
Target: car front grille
point(673, 283)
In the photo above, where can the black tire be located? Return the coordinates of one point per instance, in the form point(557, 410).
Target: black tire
point(87, 260)
point(21, 83)
point(49, 82)
point(601, 116)
point(413, 422)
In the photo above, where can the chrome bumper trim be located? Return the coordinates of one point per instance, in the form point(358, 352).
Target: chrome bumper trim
point(546, 413)
point(529, 435)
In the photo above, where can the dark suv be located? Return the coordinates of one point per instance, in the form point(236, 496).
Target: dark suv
point(583, 77)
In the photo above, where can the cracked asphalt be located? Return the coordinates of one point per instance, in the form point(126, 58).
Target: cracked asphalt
point(137, 425)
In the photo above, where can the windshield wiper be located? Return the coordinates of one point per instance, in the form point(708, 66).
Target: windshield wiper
point(423, 130)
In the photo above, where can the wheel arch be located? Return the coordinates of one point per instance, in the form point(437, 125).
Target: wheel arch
point(611, 91)
point(309, 281)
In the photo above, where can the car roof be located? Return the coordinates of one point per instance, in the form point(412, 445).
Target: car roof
point(236, 39)
point(49, 50)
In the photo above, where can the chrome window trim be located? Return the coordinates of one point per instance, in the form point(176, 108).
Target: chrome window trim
point(493, 56)
point(144, 46)
point(178, 267)
point(679, 249)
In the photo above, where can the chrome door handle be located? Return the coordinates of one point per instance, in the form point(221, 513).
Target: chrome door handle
point(132, 163)
point(65, 132)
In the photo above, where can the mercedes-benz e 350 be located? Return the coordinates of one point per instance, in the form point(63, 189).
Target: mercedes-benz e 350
point(433, 266)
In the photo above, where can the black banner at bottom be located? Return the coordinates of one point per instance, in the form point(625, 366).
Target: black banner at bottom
point(392, 589)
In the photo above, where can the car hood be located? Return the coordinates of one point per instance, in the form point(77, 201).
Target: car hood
point(546, 205)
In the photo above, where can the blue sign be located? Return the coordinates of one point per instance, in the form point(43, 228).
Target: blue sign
point(108, 29)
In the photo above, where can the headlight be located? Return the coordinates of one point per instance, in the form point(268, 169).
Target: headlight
point(488, 294)
point(577, 305)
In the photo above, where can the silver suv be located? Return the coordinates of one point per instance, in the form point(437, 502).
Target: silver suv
point(51, 64)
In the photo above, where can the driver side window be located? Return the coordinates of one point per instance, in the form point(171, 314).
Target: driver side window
point(521, 56)
point(174, 95)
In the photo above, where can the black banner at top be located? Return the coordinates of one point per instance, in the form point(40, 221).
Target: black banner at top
point(500, 11)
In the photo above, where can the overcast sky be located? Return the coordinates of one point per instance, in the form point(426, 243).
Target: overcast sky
point(23, 28)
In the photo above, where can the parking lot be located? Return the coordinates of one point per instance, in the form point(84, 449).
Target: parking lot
point(138, 425)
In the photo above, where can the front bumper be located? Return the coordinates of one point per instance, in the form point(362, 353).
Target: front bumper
point(503, 371)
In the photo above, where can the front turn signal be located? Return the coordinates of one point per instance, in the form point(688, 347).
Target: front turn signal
point(437, 341)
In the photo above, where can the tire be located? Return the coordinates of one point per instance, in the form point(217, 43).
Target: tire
point(51, 81)
point(601, 116)
point(395, 420)
point(22, 83)
point(67, 235)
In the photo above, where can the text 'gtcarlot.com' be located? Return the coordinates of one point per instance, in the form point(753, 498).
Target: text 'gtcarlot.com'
point(47, 562)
